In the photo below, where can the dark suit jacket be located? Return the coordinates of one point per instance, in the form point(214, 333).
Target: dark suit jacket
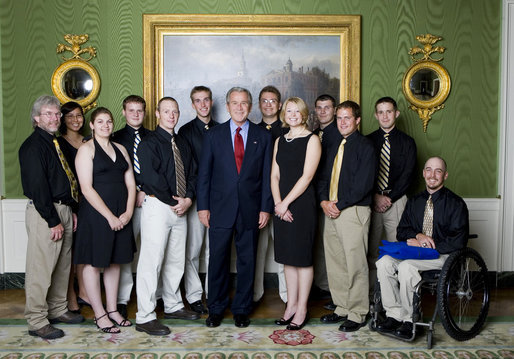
point(222, 190)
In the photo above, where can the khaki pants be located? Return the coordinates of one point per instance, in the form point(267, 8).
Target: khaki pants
point(383, 226)
point(47, 268)
point(346, 245)
point(397, 281)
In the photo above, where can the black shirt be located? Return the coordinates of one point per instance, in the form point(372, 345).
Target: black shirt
point(126, 137)
point(275, 129)
point(451, 220)
point(328, 136)
point(69, 153)
point(357, 172)
point(43, 179)
point(193, 132)
point(157, 165)
point(403, 160)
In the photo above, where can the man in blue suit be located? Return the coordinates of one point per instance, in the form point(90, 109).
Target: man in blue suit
point(234, 201)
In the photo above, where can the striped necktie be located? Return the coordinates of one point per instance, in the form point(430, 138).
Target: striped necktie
point(385, 162)
point(66, 167)
point(428, 217)
point(179, 169)
point(336, 172)
point(137, 139)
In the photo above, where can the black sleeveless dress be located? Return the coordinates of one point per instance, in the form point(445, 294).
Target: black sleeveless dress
point(294, 241)
point(96, 243)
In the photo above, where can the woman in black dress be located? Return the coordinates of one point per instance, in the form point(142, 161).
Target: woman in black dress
point(295, 160)
point(71, 138)
point(104, 233)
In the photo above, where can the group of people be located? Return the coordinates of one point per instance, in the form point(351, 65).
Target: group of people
point(324, 198)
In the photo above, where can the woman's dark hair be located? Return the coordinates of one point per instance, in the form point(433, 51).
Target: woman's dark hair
point(66, 109)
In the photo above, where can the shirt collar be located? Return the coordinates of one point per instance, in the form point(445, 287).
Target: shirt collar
point(132, 130)
point(163, 133)
point(436, 195)
point(233, 126)
point(48, 137)
point(201, 125)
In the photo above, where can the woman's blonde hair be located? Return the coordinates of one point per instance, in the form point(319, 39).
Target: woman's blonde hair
point(302, 106)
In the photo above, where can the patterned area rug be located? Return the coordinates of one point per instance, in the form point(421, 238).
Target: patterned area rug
point(261, 340)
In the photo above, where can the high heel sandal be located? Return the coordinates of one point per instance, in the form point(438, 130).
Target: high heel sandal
point(123, 323)
point(283, 321)
point(110, 330)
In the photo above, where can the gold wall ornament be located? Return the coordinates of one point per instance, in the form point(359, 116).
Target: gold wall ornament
point(426, 83)
point(76, 79)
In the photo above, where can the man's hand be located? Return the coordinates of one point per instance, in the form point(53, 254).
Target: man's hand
point(140, 198)
point(263, 219)
point(381, 203)
point(330, 209)
point(56, 232)
point(182, 206)
point(205, 216)
point(75, 221)
point(421, 240)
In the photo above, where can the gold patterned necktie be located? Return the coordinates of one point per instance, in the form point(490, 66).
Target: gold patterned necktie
point(320, 135)
point(385, 158)
point(179, 169)
point(336, 171)
point(428, 217)
point(66, 167)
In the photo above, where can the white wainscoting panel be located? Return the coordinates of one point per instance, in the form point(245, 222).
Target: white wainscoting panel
point(483, 220)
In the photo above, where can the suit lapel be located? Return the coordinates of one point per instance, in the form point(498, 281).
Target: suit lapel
point(251, 146)
point(228, 147)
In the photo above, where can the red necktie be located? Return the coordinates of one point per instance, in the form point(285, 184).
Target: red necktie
point(239, 149)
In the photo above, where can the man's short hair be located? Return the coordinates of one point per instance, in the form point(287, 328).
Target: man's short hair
point(44, 100)
point(302, 107)
point(439, 158)
point(238, 89)
point(386, 99)
point(134, 99)
point(271, 89)
point(325, 97)
point(165, 98)
point(200, 89)
point(354, 106)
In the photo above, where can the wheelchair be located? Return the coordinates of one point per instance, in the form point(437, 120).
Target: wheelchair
point(462, 297)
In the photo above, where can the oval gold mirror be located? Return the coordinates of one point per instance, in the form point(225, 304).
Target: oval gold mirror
point(76, 79)
point(426, 83)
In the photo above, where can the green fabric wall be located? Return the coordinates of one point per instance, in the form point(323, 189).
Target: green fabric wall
point(465, 133)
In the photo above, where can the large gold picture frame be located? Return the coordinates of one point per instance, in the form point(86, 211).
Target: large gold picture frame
point(157, 26)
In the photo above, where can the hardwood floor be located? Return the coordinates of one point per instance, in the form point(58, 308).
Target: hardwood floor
point(12, 302)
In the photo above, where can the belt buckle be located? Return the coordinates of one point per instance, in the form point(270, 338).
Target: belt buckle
point(384, 192)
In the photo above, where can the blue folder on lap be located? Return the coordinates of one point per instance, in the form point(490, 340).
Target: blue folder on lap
point(400, 250)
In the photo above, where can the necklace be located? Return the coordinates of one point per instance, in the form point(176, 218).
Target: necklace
point(294, 137)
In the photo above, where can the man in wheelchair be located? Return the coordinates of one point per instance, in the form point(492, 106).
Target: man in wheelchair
point(435, 218)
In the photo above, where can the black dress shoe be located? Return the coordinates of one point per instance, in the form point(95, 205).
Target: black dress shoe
point(47, 332)
point(213, 320)
point(294, 326)
point(330, 306)
point(122, 309)
point(283, 321)
point(68, 318)
point(182, 314)
point(198, 307)
point(389, 325)
point(332, 318)
point(351, 326)
point(153, 327)
point(241, 320)
point(405, 331)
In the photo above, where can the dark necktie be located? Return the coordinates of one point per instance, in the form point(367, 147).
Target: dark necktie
point(66, 167)
point(179, 169)
point(239, 149)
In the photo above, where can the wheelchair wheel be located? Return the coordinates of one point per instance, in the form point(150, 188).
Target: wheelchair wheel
point(463, 294)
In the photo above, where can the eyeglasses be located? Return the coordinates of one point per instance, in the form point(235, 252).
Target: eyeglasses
point(271, 102)
point(51, 114)
point(74, 117)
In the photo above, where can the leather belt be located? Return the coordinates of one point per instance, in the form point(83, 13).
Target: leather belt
point(384, 192)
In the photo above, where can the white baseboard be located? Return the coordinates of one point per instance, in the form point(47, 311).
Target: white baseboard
point(483, 220)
